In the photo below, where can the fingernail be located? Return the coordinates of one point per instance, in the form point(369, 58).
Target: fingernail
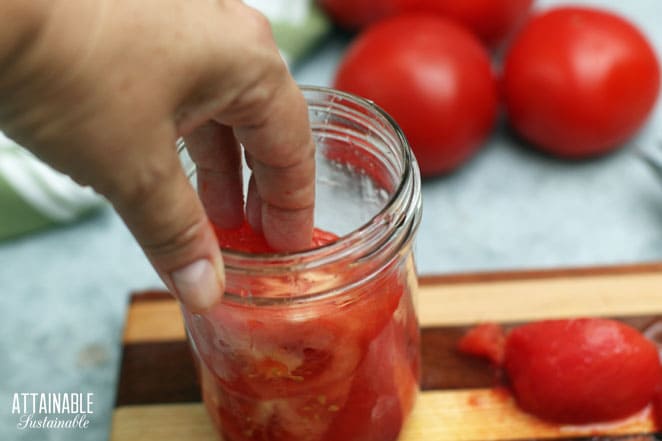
point(199, 284)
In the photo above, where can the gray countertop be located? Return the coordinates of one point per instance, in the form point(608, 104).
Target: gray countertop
point(64, 290)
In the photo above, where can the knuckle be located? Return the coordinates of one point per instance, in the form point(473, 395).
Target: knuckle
point(251, 107)
point(177, 241)
point(259, 25)
point(295, 157)
point(291, 187)
point(131, 189)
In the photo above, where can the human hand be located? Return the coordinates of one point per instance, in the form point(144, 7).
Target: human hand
point(102, 90)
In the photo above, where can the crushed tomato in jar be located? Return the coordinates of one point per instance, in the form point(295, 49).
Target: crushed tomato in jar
point(315, 372)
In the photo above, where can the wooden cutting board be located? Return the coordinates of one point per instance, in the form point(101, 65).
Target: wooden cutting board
point(158, 397)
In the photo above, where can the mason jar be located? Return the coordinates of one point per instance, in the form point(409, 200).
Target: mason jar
point(323, 345)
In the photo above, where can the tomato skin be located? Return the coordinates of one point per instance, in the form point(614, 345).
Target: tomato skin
point(581, 371)
point(579, 82)
point(437, 83)
point(485, 340)
point(356, 14)
point(491, 20)
point(657, 406)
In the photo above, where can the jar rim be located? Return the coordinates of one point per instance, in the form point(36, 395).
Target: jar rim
point(240, 261)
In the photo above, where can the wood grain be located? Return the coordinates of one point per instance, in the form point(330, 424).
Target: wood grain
point(489, 414)
point(158, 319)
point(164, 422)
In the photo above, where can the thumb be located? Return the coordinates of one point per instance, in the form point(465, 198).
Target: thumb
point(166, 217)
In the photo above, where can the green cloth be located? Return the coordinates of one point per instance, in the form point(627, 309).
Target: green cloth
point(298, 25)
point(297, 41)
point(34, 196)
point(17, 215)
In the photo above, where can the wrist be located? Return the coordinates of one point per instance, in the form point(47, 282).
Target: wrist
point(20, 26)
point(39, 42)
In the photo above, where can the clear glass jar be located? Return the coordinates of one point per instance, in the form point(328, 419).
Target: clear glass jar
point(323, 345)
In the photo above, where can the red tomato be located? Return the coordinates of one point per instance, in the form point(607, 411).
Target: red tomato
point(579, 82)
point(581, 371)
point(491, 20)
point(355, 14)
point(437, 83)
point(486, 340)
point(657, 406)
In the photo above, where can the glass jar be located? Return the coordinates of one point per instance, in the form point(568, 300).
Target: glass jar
point(323, 345)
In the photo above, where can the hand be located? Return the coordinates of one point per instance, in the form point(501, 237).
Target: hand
point(102, 90)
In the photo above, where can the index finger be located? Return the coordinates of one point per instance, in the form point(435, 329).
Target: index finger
point(283, 161)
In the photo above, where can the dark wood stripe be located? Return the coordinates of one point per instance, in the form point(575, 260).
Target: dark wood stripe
point(154, 373)
point(150, 296)
point(443, 367)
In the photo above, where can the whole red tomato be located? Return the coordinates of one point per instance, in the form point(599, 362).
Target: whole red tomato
point(581, 371)
point(579, 82)
point(491, 20)
point(356, 14)
point(433, 77)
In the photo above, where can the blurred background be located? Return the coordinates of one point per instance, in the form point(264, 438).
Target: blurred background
point(508, 207)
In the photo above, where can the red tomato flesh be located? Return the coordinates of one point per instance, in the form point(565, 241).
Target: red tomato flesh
point(486, 340)
point(657, 406)
point(248, 240)
point(581, 371)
